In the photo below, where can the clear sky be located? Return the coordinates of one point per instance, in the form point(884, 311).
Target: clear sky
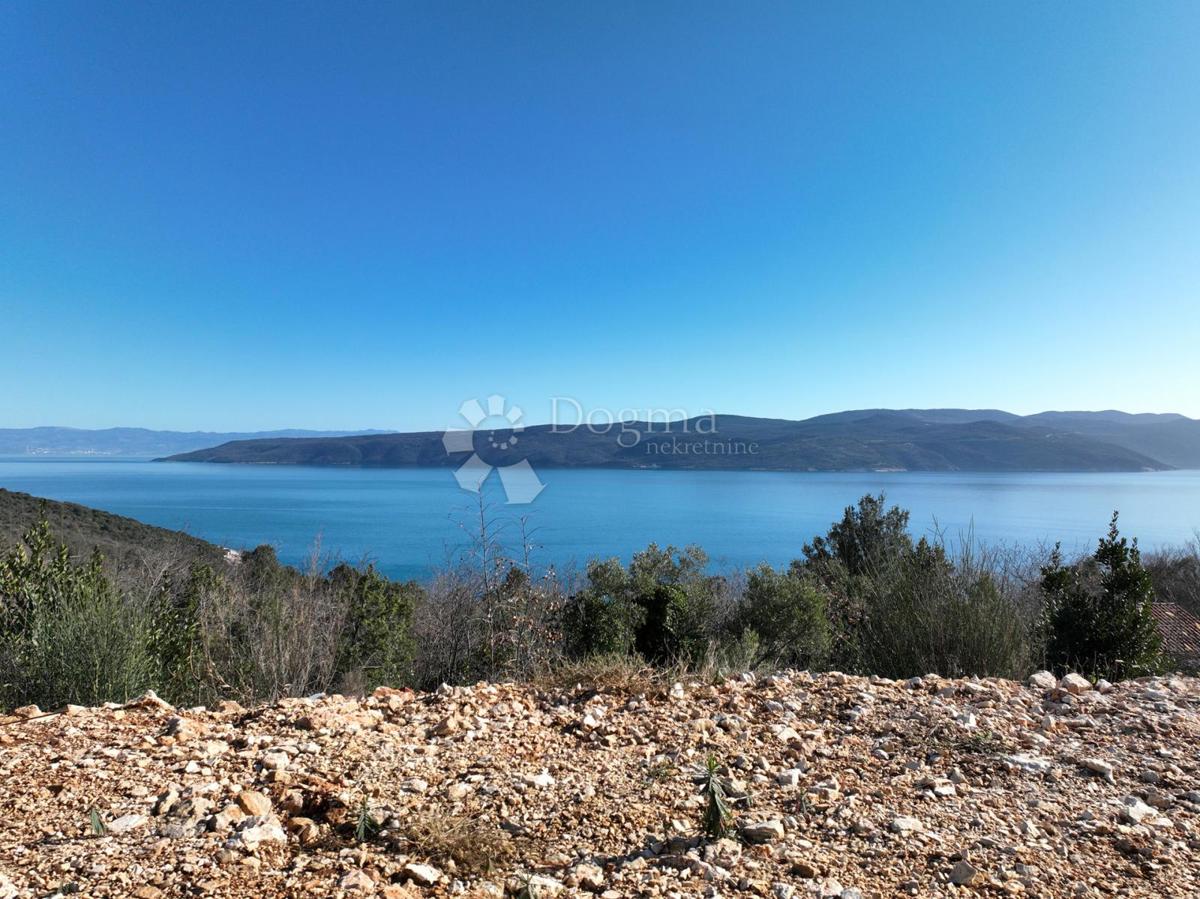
point(250, 215)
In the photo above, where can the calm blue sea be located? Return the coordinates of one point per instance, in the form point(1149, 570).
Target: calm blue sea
point(411, 520)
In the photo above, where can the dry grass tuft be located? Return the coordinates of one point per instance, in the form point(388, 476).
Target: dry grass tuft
point(471, 844)
point(604, 674)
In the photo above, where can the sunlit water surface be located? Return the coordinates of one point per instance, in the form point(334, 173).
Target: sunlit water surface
point(411, 520)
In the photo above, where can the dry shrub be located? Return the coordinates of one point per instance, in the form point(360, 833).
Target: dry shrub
point(267, 632)
point(472, 845)
point(613, 673)
point(488, 615)
point(1176, 574)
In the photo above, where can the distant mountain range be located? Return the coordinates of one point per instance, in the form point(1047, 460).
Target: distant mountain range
point(862, 440)
point(131, 441)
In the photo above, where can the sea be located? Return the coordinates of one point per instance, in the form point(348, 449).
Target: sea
point(410, 522)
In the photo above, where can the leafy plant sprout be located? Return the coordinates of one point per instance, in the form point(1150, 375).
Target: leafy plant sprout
point(365, 827)
point(717, 819)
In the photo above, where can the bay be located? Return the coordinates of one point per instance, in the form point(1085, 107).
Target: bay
point(411, 521)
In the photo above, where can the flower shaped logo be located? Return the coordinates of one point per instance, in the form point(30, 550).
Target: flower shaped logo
point(520, 481)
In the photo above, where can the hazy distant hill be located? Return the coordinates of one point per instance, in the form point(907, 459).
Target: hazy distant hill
point(869, 439)
point(124, 541)
point(1172, 439)
point(129, 441)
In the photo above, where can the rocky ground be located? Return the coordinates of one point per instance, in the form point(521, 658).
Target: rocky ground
point(842, 787)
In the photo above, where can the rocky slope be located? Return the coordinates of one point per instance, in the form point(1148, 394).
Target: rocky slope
point(843, 787)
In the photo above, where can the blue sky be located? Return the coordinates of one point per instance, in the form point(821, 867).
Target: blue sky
point(250, 215)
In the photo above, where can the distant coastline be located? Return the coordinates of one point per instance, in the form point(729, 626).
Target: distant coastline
point(125, 442)
point(874, 440)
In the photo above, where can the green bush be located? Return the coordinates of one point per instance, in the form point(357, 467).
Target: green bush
point(176, 643)
point(602, 619)
point(668, 631)
point(1097, 612)
point(662, 606)
point(870, 540)
point(374, 646)
point(942, 617)
point(262, 630)
point(66, 636)
point(786, 611)
point(859, 559)
point(899, 608)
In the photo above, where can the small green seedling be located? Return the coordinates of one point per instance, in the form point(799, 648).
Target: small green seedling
point(717, 819)
point(365, 826)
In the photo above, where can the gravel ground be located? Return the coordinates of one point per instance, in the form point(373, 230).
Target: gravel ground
point(840, 786)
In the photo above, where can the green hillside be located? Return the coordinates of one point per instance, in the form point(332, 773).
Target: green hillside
point(123, 541)
point(911, 440)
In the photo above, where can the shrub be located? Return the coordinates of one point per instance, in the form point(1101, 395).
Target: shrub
point(374, 645)
point(486, 617)
point(1097, 612)
point(938, 616)
point(1176, 575)
point(870, 540)
point(786, 611)
point(898, 609)
point(469, 627)
point(601, 619)
point(446, 632)
point(263, 635)
point(666, 632)
point(66, 636)
point(864, 598)
point(264, 630)
point(662, 606)
point(857, 560)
